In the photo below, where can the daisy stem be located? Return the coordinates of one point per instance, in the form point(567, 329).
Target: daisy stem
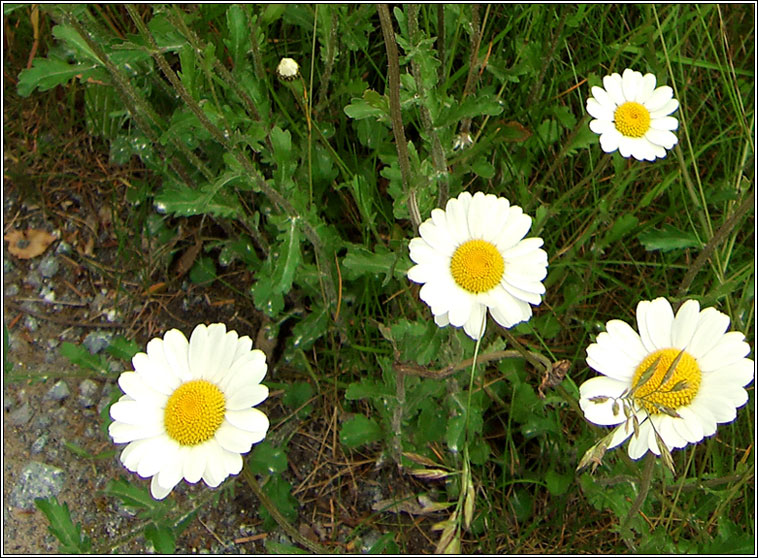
point(393, 66)
point(276, 514)
point(645, 479)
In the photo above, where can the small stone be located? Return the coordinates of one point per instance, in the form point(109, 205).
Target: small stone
point(22, 415)
point(47, 294)
point(12, 290)
point(96, 341)
point(87, 391)
point(39, 444)
point(37, 480)
point(58, 392)
point(31, 323)
point(33, 279)
point(63, 248)
point(48, 267)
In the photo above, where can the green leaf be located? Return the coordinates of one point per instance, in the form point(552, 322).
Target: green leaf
point(203, 272)
point(372, 105)
point(238, 33)
point(380, 263)
point(309, 329)
point(274, 547)
point(667, 239)
point(69, 535)
point(365, 389)
point(557, 483)
point(483, 168)
point(360, 430)
point(122, 348)
point(79, 355)
point(266, 459)
point(162, 537)
point(287, 257)
point(75, 41)
point(138, 498)
point(385, 545)
point(47, 73)
point(214, 199)
point(296, 395)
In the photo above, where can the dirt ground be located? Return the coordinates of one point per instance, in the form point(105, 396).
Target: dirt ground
point(98, 279)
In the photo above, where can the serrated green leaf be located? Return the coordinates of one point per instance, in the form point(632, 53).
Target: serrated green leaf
point(557, 483)
point(365, 389)
point(276, 548)
point(381, 262)
point(74, 40)
point(297, 395)
point(122, 348)
point(62, 527)
point(139, 498)
point(372, 105)
point(309, 329)
point(287, 257)
point(385, 545)
point(47, 73)
point(280, 492)
point(79, 355)
point(162, 537)
point(212, 199)
point(238, 33)
point(667, 239)
point(360, 430)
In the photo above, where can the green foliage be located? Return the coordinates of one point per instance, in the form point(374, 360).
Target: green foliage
point(70, 538)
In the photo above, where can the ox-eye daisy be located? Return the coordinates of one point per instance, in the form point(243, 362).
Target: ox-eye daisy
point(632, 115)
point(472, 256)
point(672, 382)
point(188, 409)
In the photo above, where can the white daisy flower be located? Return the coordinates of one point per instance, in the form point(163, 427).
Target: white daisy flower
point(288, 69)
point(683, 405)
point(473, 256)
point(188, 410)
point(632, 115)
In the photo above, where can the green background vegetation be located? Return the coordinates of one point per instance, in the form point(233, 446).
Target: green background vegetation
point(301, 184)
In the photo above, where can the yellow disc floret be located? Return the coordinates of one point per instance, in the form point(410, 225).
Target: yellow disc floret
point(632, 119)
point(477, 266)
point(194, 412)
point(680, 386)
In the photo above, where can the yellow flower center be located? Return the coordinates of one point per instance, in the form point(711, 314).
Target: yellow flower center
point(659, 389)
point(477, 266)
point(632, 119)
point(194, 412)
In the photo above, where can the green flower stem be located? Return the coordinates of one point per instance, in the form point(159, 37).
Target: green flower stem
point(397, 119)
point(747, 204)
point(288, 528)
point(535, 358)
point(645, 479)
point(438, 154)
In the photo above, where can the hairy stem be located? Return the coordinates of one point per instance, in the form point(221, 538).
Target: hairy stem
point(397, 119)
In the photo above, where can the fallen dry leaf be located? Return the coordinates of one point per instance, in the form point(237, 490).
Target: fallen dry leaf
point(29, 243)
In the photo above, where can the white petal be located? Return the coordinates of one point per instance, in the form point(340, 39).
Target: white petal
point(160, 450)
point(605, 356)
point(688, 426)
point(602, 111)
point(476, 324)
point(160, 492)
point(460, 303)
point(626, 340)
point(665, 123)
point(235, 440)
point(665, 110)
point(176, 350)
point(215, 467)
point(640, 444)
point(123, 433)
point(647, 86)
point(739, 373)
point(631, 83)
point(250, 369)
point(516, 227)
point(246, 396)
point(603, 126)
point(602, 411)
point(685, 324)
point(134, 412)
point(654, 321)
point(730, 349)
point(709, 330)
point(612, 84)
point(194, 461)
point(610, 140)
point(138, 389)
point(664, 424)
point(659, 98)
point(251, 420)
point(664, 138)
point(154, 369)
